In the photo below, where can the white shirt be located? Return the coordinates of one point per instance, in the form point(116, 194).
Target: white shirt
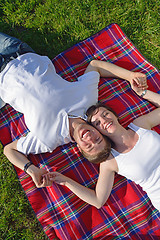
point(31, 85)
point(142, 163)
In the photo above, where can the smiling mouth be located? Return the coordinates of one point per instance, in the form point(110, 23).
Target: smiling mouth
point(84, 133)
point(108, 125)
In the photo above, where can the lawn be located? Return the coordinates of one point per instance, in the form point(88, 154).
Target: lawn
point(50, 27)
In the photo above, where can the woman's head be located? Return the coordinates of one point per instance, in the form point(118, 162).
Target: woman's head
point(102, 117)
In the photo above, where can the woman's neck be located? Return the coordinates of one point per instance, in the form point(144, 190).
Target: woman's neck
point(124, 139)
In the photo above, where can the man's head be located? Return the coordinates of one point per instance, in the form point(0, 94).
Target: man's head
point(95, 147)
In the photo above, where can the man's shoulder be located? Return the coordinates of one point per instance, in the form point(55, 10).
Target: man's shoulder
point(92, 76)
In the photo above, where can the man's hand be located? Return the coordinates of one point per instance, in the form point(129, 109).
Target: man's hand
point(19, 160)
point(38, 176)
point(138, 81)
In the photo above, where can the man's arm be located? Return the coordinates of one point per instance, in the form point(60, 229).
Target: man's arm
point(20, 160)
point(151, 119)
point(107, 69)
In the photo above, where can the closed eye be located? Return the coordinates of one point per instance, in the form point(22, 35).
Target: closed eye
point(100, 140)
point(105, 113)
point(89, 146)
point(97, 123)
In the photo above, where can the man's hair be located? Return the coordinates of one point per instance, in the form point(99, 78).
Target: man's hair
point(95, 108)
point(100, 156)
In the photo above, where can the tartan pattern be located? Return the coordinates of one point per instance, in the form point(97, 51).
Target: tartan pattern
point(128, 213)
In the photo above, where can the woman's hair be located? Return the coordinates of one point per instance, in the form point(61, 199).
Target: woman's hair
point(102, 155)
point(95, 108)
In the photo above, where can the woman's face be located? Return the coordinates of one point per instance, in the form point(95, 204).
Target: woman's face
point(105, 121)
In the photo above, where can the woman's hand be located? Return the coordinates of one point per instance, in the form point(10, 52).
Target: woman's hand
point(95, 197)
point(138, 82)
point(56, 177)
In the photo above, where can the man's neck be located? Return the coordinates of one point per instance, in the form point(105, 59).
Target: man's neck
point(73, 122)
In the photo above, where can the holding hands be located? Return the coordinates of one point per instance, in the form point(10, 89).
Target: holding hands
point(56, 177)
point(38, 176)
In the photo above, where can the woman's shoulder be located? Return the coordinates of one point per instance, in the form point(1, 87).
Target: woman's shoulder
point(142, 122)
point(110, 164)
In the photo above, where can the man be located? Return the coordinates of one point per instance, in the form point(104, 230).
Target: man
point(54, 109)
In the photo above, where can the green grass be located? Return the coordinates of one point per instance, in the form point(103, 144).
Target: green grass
point(50, 27)
point(17, 220)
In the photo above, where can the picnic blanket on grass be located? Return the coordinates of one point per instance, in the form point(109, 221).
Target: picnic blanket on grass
point(128, 213)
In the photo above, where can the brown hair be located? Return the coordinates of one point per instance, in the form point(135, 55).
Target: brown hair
point(100, 156)
point(94, 109)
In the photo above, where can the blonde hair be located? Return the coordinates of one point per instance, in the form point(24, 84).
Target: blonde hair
point(100, 156)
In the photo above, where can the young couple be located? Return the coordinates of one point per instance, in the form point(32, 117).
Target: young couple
point(54, 112)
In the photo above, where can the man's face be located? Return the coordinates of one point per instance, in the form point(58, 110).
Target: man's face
point(89, 139)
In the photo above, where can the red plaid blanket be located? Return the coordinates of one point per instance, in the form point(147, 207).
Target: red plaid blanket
point(128, 213)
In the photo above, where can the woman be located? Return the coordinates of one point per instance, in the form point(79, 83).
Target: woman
point(134, 153)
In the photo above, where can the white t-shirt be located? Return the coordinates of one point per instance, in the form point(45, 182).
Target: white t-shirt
point(31, 85)
point(142, 163)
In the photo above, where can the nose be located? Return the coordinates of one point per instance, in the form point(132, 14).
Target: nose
point(102, 122)
point(93, 137)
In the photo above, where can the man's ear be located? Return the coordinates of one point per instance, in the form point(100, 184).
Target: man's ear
point(79, 148)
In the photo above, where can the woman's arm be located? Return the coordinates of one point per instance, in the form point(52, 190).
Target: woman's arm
point(19, 160)
point(107, 69)
point(96, 197)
